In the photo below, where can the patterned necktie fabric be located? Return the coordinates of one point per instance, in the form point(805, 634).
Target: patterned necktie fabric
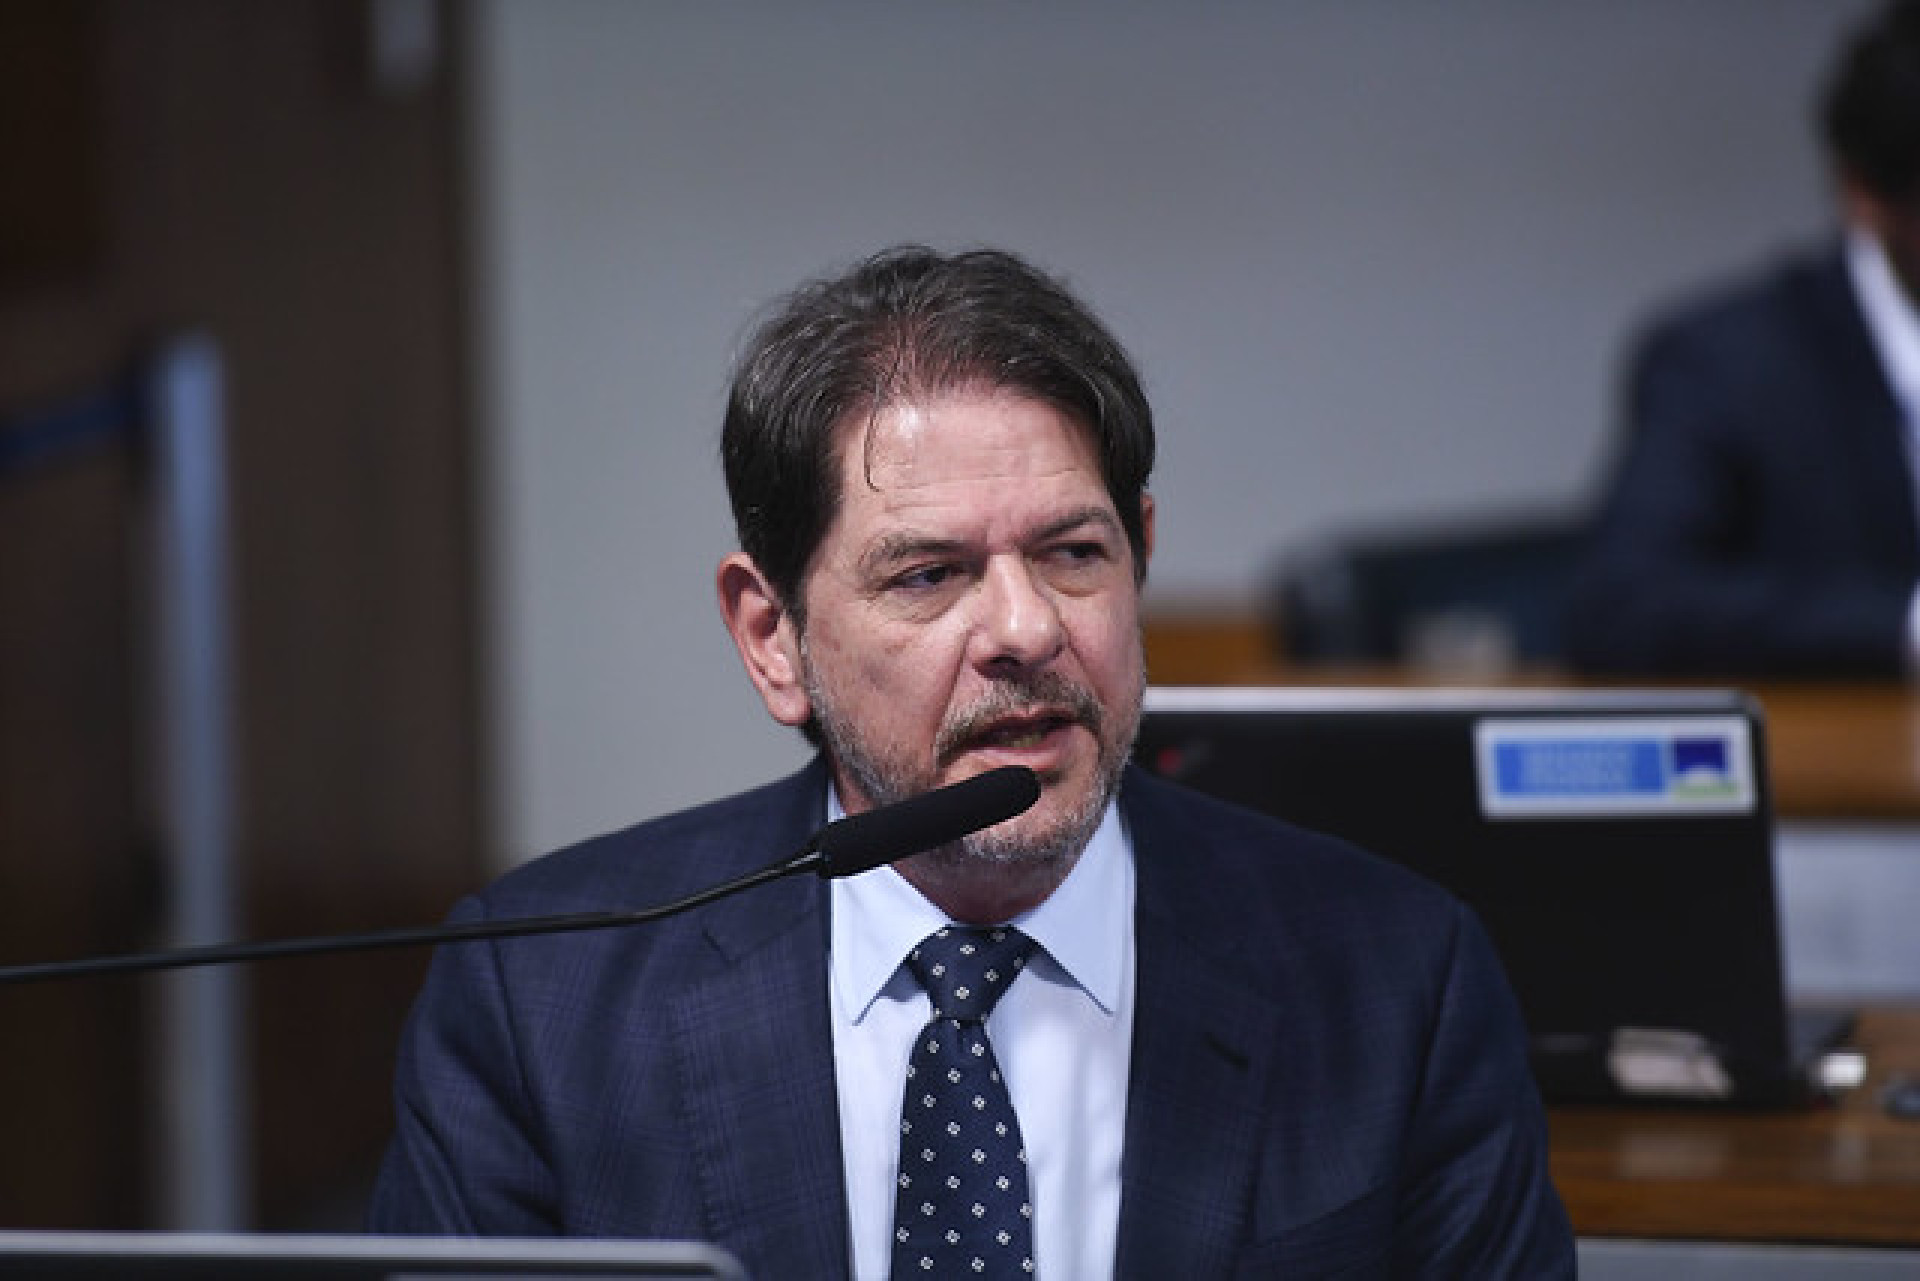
point(961, 1203)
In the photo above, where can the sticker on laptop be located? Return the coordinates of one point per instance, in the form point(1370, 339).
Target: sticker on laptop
point(1622, 766)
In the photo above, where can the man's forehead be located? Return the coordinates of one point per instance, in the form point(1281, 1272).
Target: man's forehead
point(894, 433)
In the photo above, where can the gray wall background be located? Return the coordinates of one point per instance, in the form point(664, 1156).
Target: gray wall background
point(1376, 258)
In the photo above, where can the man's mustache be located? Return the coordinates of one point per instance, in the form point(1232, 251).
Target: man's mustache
point(1047, 692)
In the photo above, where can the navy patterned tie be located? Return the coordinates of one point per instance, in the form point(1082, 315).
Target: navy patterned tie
point(961, 1205)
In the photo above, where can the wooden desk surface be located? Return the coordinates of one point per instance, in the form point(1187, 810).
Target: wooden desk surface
point(1836, 751)
point(1847, 1173)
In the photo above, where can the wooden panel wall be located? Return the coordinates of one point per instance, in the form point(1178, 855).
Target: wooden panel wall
point(236, 167)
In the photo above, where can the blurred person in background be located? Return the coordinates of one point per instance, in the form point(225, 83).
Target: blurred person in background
point(1760, 519)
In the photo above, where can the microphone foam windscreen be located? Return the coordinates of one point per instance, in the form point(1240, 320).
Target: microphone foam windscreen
point(863, 841)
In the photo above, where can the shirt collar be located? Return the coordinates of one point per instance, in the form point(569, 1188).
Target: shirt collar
point(1083, 927)
point(1892, 318)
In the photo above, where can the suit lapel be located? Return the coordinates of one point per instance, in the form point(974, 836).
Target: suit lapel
point(1202, 1051)
point(1865, 416)
point(754, 1045)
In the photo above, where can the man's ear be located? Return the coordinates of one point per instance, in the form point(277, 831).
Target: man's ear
point(1146, 536)
point(764, 633)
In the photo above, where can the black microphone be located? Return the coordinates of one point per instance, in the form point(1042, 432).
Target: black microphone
point(855, 844)
point(861, 842)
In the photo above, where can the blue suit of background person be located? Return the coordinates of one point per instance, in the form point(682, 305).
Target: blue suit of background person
point(1761, 517)
point(1328, 1073)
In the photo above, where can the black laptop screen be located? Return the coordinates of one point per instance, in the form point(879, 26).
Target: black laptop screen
point(1617, 846)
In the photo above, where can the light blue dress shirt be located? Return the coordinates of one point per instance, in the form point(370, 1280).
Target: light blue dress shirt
point(1893, 323)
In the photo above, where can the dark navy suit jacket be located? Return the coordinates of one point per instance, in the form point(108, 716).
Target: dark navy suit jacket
point(1328, 1074)
point(1761, 516)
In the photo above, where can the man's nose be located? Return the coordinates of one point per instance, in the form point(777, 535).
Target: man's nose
point(1019, 620)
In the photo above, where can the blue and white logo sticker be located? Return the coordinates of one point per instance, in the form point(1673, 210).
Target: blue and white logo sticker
point(1615, 766)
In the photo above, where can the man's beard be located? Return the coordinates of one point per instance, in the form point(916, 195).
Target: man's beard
point(887, 775)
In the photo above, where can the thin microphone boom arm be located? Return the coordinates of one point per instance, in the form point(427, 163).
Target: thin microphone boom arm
point(403, 936)
point(852, 845)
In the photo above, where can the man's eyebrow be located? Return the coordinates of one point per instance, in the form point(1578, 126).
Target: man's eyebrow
point(1091, 514)
point(904, 545)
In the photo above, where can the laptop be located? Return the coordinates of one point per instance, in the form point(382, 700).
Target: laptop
point(194, 1256)
point(1617, 845)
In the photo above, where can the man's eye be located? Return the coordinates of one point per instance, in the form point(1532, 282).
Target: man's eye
point(925, 577)
point(1081, 553)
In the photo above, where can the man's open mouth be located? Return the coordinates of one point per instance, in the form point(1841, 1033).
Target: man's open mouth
point(1027, 731)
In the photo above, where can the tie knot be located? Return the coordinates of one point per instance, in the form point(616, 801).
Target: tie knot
point(966, 970)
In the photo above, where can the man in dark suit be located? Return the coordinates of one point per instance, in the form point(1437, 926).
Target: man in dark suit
point(1226, 1046)
point(1761, 517)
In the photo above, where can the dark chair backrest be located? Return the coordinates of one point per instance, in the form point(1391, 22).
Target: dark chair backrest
point(1475, 594)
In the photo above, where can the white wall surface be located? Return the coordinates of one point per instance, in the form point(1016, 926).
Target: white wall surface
point(1375, 257)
